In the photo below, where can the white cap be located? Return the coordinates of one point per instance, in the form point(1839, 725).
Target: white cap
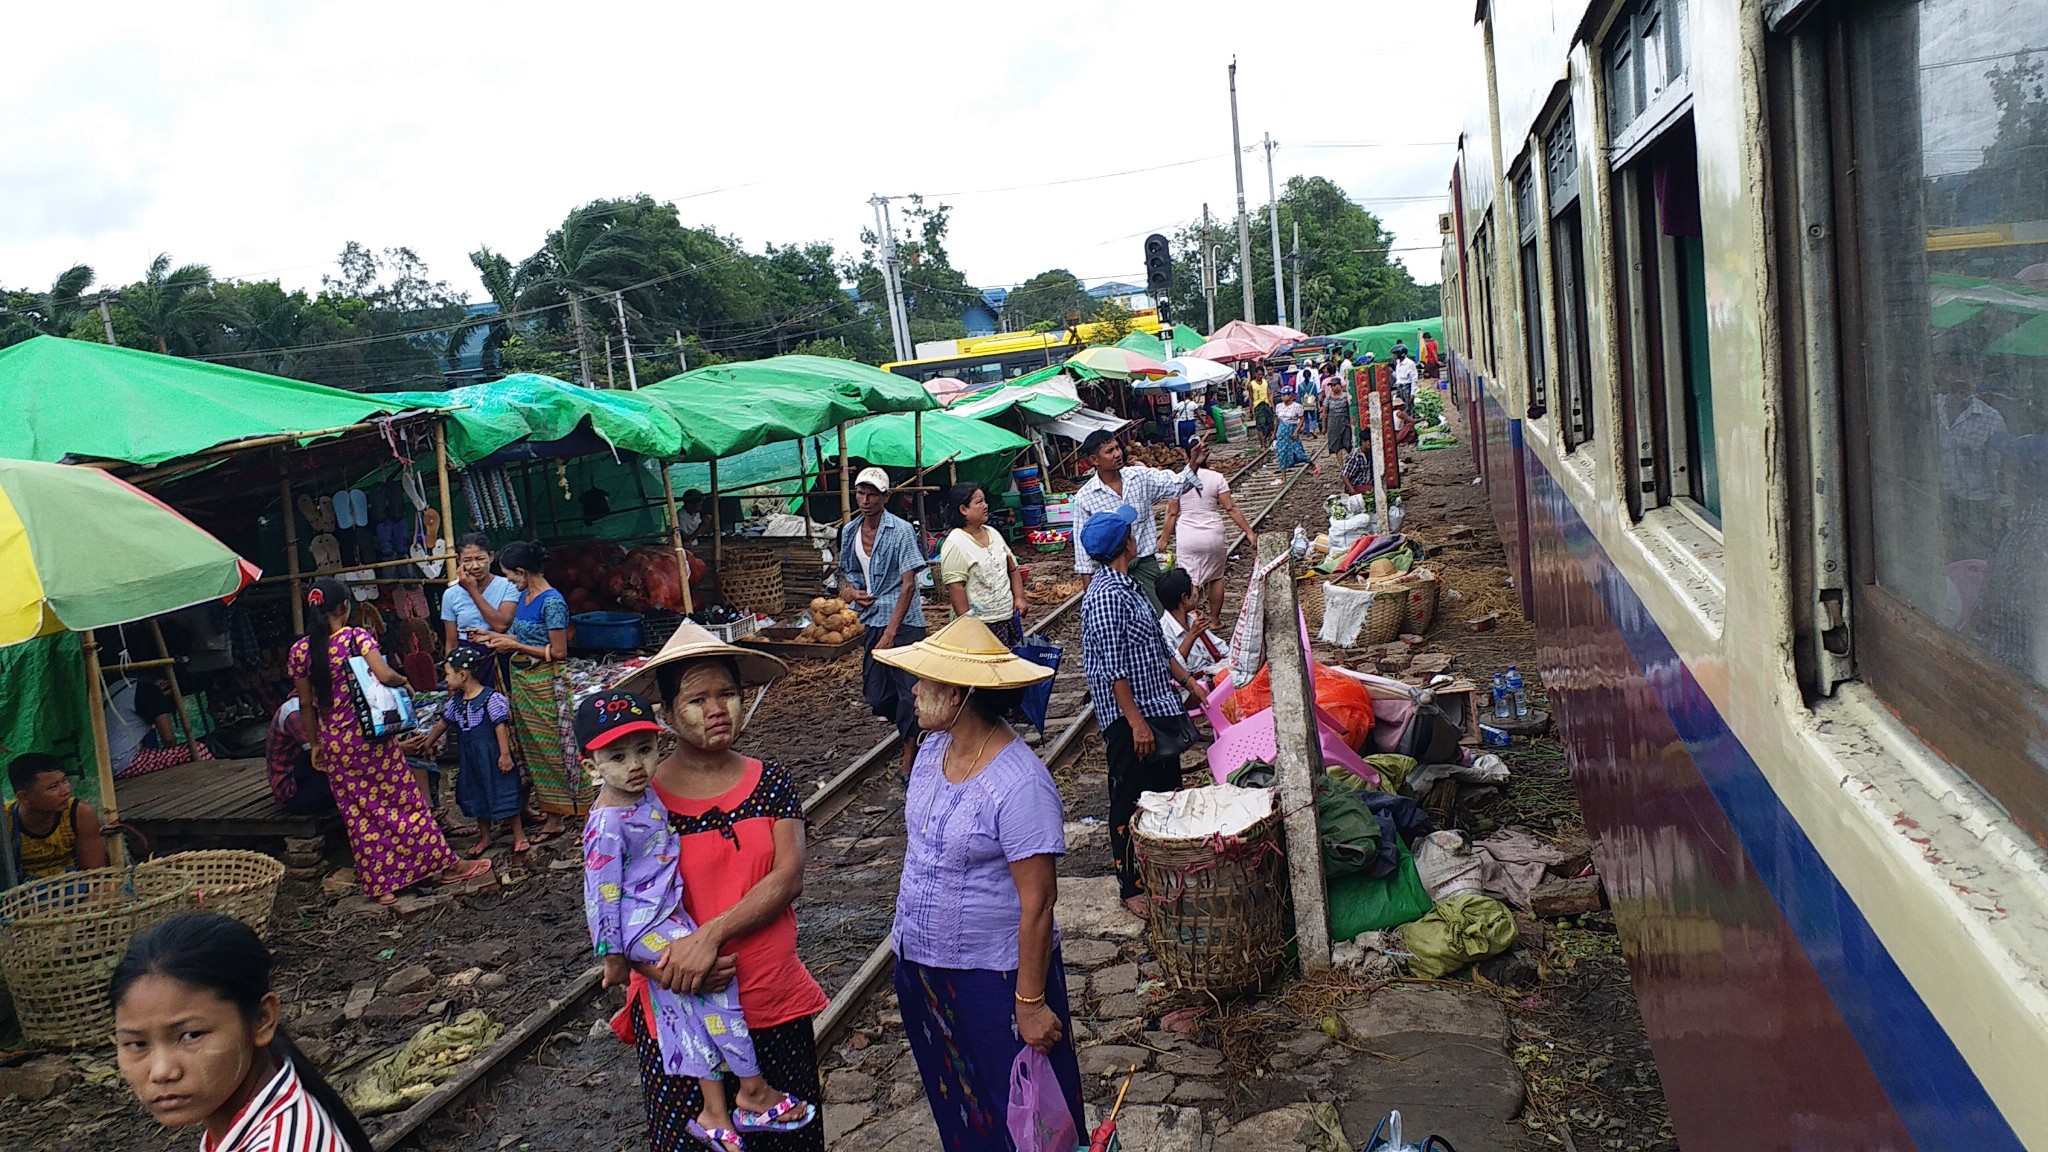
point(874, 478)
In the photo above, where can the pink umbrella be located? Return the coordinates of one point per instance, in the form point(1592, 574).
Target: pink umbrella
point(1230, 349)
point(945, 389)
point(1283, 333)
point(1256, 333)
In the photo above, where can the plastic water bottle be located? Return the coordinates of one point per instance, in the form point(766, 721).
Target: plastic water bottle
point(1300, 542)
point(1502, 710)
point(1516, 695)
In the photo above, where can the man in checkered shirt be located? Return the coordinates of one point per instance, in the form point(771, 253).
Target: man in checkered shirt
point(1131, 677)
point(1116, 485)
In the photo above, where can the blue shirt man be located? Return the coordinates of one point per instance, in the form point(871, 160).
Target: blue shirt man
point(879, 563)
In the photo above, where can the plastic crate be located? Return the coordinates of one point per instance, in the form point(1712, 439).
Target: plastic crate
point(745, 626)
point(612, 631)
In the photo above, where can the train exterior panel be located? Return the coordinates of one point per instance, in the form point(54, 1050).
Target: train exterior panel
point(1837, 925)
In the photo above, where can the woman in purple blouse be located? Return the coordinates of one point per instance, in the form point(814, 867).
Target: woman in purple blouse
point(978, 972)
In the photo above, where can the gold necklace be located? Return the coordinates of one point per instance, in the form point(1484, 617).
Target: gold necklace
point(933, 803)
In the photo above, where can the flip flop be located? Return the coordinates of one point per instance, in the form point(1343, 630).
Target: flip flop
point(478, 849)
point(723, 1139)
point(326, 551)
point(465, 872)
point(310, 510)
point(359, 507)
point(521, 846)
point(325, 506)
point(344, 510)
point(788, 1115)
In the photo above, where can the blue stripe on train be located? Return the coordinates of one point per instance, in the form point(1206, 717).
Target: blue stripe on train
point(1937, 1096)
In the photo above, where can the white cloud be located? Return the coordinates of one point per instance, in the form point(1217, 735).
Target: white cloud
point(261, 137)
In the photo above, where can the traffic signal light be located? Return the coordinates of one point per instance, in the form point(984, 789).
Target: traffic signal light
point(1158, 267)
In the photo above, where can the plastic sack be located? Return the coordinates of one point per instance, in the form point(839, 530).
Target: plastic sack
point(1248, 638)
point(1345, 699)
point(1039, 1118)
point(1457, 932)
point(1367, 903)
point(1447, 865)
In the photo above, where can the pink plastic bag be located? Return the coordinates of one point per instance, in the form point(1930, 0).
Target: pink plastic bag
point(1039, 1119)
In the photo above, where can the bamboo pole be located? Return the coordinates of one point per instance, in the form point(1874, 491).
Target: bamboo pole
point(845, 484)
point(139, 665)
point(291, 546)
point(803, 485)
point(447, 502)
point(110, 809)
point(917, 461)
point(675, 533)
point(338, 569)
point(156, 631)
point(717, 530)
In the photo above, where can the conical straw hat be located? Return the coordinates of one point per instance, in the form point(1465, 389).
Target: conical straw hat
point(692, 642)
point(965, 653)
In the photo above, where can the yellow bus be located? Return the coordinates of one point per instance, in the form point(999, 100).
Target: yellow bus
point(983, 360)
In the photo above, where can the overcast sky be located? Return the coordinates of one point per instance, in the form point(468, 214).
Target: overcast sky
point(258, 138)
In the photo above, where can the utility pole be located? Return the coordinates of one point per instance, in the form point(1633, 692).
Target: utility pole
point(1273, 218)
point(899, 323)
point(106, 318)
point(1208, 271)
point(582, 340)
point(632, 377)
point(1244, 227)
point(1297, 275)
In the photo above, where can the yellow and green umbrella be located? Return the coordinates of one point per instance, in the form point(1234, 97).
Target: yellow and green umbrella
point(1118, 363)
point(81, 549)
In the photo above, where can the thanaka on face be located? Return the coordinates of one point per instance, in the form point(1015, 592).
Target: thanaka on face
point(938, 705)
point(625, 765)
point(705, 710)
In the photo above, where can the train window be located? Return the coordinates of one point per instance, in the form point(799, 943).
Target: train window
point(1568, 282)
point(1667, 406)
point(1528, 220)
point(1645, 59)
point(1944, 249)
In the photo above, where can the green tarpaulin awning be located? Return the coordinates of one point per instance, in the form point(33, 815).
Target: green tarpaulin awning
point(1185, 341)
point(727, 409)
point(1379, 339)
point(1046, 392)
point(541, 408)
point(979, 451)
point(71, 398)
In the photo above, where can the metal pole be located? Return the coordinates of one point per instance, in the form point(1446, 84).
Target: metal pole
point(632, 377)
point(291, 546)
point(899, 324)
point(1273, 218)
point(156, 632)
point(1244, 227)
point(582, 346)
point(110, 810)
point(675, 535)
point(106, 318)
point(1297, 275)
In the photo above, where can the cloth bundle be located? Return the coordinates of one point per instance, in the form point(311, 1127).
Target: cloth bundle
point(1458, 931)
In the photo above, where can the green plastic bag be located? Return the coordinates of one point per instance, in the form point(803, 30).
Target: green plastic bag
point(1458, 931)
point(1369, 903)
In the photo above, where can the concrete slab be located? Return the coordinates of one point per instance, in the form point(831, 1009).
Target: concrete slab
point(1415, 1008)
point(1158, 1127)
point(1462, 1088)
point(907, 1127)
point(1090, 906)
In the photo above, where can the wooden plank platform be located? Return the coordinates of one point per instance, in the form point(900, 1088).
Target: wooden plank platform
point(224, 799)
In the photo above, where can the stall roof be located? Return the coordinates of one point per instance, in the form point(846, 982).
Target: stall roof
point(1185, 340)
point(1379, 339)
point(542, 409)
point(1077, 424)
point(726, 409)
point(890, 440)
point(1047, 392)
point(72, 399)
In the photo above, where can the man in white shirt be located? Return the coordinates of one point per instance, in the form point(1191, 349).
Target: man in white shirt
point(1405, 376)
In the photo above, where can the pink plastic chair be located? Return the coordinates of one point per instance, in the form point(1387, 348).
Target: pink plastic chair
point(1254, 738)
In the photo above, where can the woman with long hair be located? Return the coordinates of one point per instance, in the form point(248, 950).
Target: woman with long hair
point(199, 1036)
point(543, 723)
point(391, 829)
point(977, 567)
point(478, 599)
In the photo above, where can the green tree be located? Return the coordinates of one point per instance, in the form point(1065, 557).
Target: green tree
point(1113, 321)
point(51, 313)
point(177, 308)
point(1348, 277)
point(1048, 298)
point(935, 293)
point(501, 283)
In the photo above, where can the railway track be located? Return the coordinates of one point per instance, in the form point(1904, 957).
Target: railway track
point(1069, 718)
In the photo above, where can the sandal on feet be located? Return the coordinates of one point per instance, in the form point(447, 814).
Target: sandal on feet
point(723, 1139)
point(388, 899)
point(462, 872)
point(521, 845)
point(788, 1115)
point(477, 850)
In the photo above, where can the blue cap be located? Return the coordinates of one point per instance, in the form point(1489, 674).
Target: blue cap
point(1102, 537)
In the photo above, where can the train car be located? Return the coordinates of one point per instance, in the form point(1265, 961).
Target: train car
point(1746, 304)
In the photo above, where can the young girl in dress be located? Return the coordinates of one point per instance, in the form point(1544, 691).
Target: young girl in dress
point(487, 783)
point(199, 1039)
point(633, 899)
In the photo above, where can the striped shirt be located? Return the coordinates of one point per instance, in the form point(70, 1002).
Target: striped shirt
point(283, 1117)
point(895, 553)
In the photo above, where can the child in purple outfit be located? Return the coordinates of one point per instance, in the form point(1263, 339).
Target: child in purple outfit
point(633, 899)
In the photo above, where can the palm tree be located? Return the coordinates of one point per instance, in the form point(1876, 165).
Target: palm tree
point(598, 250)
point(52, 313)
point(175, 305)
point(501, 281)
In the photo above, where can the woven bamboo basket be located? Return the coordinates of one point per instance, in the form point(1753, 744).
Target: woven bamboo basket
point(1423, 591)
point(937, 614)
point(1386, 617)
point(1217, 907)
point(752, 584)
point(1308, 595)
point(61, 937)
point(232, 882)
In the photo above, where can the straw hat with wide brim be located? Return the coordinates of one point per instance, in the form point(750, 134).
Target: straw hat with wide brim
point(692, 642)
point(966, 654)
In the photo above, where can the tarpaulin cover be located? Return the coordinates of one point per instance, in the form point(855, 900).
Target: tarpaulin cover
point(767, 470)
point(1048, 392)
point(1379, 339)
point(71, 398)
point(44, 708)
point(726, 409)
point(980, 451)
point(1185, 340)
point(539, 408)
point(82, 549)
